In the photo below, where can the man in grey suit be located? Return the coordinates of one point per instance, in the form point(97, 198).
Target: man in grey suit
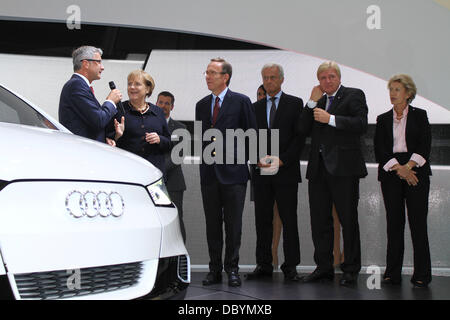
point(174, 174)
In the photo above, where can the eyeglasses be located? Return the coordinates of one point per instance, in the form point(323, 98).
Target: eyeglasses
point(96, 60)
point(212, 73)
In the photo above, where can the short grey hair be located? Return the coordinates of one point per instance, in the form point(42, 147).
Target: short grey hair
point(84, 52)
point(274, 65)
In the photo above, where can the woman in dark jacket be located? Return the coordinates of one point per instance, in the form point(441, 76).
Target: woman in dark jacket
point(402, 149)
point(143, 128)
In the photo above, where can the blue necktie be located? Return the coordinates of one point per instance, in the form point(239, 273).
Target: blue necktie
point(330, 98)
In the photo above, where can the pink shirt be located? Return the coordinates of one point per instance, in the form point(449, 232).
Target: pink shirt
point(399, 128)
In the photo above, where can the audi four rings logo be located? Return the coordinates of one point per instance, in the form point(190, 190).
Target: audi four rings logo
point(92, 204)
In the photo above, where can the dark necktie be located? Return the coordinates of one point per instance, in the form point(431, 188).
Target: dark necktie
point(273, 110)
point(216, 111)
point(330, 98)
point(92, 89)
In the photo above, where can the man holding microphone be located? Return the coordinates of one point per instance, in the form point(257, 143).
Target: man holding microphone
point(79, 110)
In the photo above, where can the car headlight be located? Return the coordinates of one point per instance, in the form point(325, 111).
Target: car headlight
point(159, 194)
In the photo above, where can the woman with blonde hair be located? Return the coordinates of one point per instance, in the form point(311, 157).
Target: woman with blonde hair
point(402, 149)
point(141, 127)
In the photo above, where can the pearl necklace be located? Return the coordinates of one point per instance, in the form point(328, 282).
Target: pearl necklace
point(141, 110)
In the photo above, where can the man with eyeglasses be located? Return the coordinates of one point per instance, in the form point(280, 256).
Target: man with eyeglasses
point(79, 110)
point(223, 183)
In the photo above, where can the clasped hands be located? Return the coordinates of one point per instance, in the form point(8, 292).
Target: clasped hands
point(269, 165)
point(405, 173)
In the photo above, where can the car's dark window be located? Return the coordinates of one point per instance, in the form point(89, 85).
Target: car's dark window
point(15, 110)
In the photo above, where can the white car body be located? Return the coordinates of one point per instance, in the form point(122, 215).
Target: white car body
point(44, 236)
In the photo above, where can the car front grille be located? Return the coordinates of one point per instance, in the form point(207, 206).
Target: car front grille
point(80, 282)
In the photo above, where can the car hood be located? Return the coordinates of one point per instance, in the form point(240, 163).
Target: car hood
point(35, 153)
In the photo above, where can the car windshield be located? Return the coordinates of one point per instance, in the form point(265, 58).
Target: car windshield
point(14, 110)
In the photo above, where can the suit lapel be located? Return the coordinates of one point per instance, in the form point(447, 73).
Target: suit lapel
point(225, 102)
point(389, 125)
point(84, 84)
point(410, 120)
point(337, 100)
point(280, 110)
point(171, 125)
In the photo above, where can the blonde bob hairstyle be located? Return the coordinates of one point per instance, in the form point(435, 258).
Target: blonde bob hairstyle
point(145, 77)
point(407, 83)
point(327, 65)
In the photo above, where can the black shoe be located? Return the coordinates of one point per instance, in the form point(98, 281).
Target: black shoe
point(290, 273)
point(390, 282)
point(348, 279)
point(419, 283)
point(212, 278)
point(317, 276)
point(291, 276)
point(259, 273)
point(234, 280)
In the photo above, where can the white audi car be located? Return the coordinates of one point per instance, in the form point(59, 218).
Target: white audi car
point(80, 219)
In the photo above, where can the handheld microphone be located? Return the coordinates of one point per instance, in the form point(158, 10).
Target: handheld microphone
point(112, 86)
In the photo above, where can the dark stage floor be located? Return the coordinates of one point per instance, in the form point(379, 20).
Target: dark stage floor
point(277, 289)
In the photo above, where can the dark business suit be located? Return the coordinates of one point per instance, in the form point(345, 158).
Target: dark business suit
point(174, 177)
point(335, 166)
point(224, 185)
point(396, 192)
point(281, 187)
point(81, 113)
point(137, 124)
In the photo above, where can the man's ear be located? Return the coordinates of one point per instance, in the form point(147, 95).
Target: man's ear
point(227, 77)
